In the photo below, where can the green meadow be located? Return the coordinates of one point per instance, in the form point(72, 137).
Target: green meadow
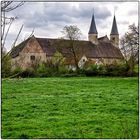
point(77, 107)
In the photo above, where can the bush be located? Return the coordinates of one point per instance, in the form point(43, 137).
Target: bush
point(41, 70)
point(130, 73)
point(28, 73)
point(45, 70)
point(116, 70)
point(109, 70)
point(94, 70)
point(5, 66)
point(102, 70)
point(63, 70)
point(70, 75)
point(17, 70)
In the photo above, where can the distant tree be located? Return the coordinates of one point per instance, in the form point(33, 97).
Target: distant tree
point(56, 61)
point(72, 33)
point(130, 46)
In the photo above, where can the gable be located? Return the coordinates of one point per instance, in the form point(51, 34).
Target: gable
point(15, 50)
point(104, 39)
point(32, 47)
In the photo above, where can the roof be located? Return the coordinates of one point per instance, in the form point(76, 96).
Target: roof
point(103, 38)
point(93, 29)
point(15, 50)
point(50, 46)
point(114, 30)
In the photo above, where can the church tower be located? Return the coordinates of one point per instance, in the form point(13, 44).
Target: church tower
point(114, 35)
point(93, 34)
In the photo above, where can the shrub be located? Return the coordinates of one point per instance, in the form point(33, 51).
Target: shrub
point(29, 72)
point(102, 70)
point(5, 65)
point(63, 70)
point(16, 72)
point(41, 70)
point(70, 75)
point(109, 70)
point(116, 70)
point(130, 73)
point(94, 70)
point(46, 70)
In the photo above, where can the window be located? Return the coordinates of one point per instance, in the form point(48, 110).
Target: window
point(32, 57)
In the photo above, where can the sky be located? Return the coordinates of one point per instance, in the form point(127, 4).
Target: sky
point(49, 18)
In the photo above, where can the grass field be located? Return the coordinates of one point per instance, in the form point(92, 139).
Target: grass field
point(70, 108)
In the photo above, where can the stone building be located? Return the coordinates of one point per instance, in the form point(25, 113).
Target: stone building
point(96, 50)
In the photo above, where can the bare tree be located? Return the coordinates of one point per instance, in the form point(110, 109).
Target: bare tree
point(7, 6)
point(72, 33)
point(130, 46)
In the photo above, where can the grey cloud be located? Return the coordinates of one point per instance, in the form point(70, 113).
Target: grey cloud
point(52, 13)
point(10, 40)
point(123, 22)
point(133, 12)
point(100, 12)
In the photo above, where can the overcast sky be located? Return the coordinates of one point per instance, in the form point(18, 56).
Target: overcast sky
point(49, 18)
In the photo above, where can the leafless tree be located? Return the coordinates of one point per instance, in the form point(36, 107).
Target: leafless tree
point(73, 33)
point(7, 6)
point(130, 46)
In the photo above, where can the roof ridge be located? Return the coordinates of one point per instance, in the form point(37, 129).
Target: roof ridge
point(60, 39)
point(102, 36)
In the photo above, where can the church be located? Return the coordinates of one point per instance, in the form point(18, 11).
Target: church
point(95, 51)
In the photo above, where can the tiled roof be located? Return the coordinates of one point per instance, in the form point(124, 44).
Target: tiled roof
point(90, 50)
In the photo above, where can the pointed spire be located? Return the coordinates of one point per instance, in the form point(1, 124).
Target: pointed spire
point(114, 30)
point(93, 29)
